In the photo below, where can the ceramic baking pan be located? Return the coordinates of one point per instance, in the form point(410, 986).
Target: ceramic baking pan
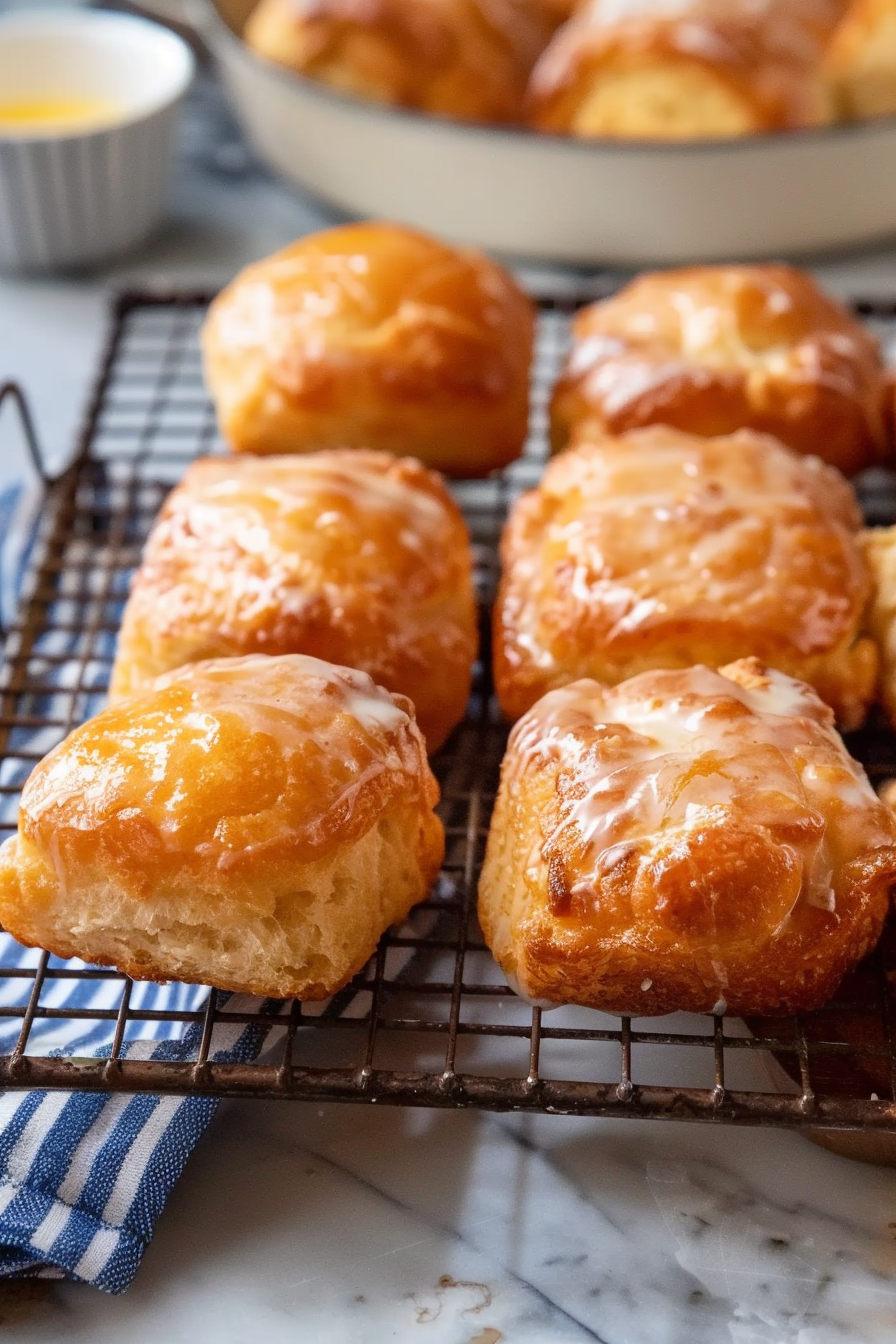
point(558, 199)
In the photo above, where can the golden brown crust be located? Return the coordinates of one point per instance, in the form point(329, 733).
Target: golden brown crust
point(251, 823)
point(468, 59)
point(861, 59)
point(686, 70)
point(358, 558)
point(713, 349)
point(663, 549)
point(879, 548)
point(690, 840)
point(374, 336)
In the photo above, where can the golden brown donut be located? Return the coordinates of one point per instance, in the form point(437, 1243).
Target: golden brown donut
point(861, 59)
point(358, 558)
point(253, 823)
point(684, 69)
point(713, 349)
point(661, 549)
point(690, 840)
point(879, 547)
point(374, 336)
point(467, 59)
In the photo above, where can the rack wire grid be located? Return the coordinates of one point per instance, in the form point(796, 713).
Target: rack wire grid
point(430, 1021)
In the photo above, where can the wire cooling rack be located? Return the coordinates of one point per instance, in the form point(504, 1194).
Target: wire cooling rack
point(430, 1020)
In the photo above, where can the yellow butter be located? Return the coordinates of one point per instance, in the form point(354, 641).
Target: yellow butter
point(57, 114)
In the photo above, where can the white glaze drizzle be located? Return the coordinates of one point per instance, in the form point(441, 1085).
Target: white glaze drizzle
point(777, 761)
point(249, 687)
point(294, 699)
point(291, 482)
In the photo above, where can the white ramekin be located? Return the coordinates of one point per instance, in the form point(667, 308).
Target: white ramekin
point(76, 197)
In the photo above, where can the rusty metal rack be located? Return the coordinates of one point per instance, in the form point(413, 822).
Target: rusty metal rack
point(430, 1021)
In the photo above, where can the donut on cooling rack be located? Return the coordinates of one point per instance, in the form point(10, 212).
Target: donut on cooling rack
point(712, 349)
point(660, 549)
point(251, 823)
point(861, 59)
point(467, 59)
point(689, 840)
point(879, 547)
point(684, 69)
point(355, 557)
point(374, 336)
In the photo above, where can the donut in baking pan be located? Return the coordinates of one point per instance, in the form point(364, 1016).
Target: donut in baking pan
point(374, 336)
point(692, 840)
point(355, 557)
point(684, 69)
point(466, 59)
point(251, 823)
point(861, 59)
point(660, 549)
point(713, 349)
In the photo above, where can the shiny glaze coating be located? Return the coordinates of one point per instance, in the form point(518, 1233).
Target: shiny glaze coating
point(374, 336)
point(662, 549)
point(690, 840)
point(879, 548)
point(861, 59)
point(685, 69)
point(467, 59)
point(358, 558)
point(713, 349)
point(214, 802)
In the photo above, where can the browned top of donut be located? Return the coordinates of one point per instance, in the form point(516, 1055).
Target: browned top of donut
point(427, 319)
point(714, 348)
point(766, 51)
point(221, 761)
point(677, 761)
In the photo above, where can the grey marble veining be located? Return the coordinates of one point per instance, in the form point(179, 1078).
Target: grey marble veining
point(354, 1226)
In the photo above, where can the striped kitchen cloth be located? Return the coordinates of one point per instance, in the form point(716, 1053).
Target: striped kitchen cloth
point(84, 1176)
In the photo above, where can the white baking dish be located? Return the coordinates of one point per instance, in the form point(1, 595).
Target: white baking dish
point(558, 199)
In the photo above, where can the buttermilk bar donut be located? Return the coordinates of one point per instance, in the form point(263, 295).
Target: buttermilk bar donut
point(465, 59)
point(690, 840)
point(861, 59)
point(713, 349)
point(684, 69)
point(374, 336)
point(251, 823)
point(358, 558)
point(663, 549)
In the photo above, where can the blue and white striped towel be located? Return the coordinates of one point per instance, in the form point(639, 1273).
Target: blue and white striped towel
point(84, 1176)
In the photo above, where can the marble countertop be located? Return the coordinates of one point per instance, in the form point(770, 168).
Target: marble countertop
point(358, 1225)
point(337, 1225)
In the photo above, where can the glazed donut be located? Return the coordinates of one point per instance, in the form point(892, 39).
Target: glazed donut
point(684, 69)
point(861, 59)
point(713, 349)
point(374, 336)
point(358, 558)
point(467, 59)
point(661, 549)
point(253, 823)
point(879, 547)
point(690, 840)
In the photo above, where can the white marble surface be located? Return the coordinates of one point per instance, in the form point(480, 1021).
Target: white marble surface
point(300, 1225)
point(359, 1226)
